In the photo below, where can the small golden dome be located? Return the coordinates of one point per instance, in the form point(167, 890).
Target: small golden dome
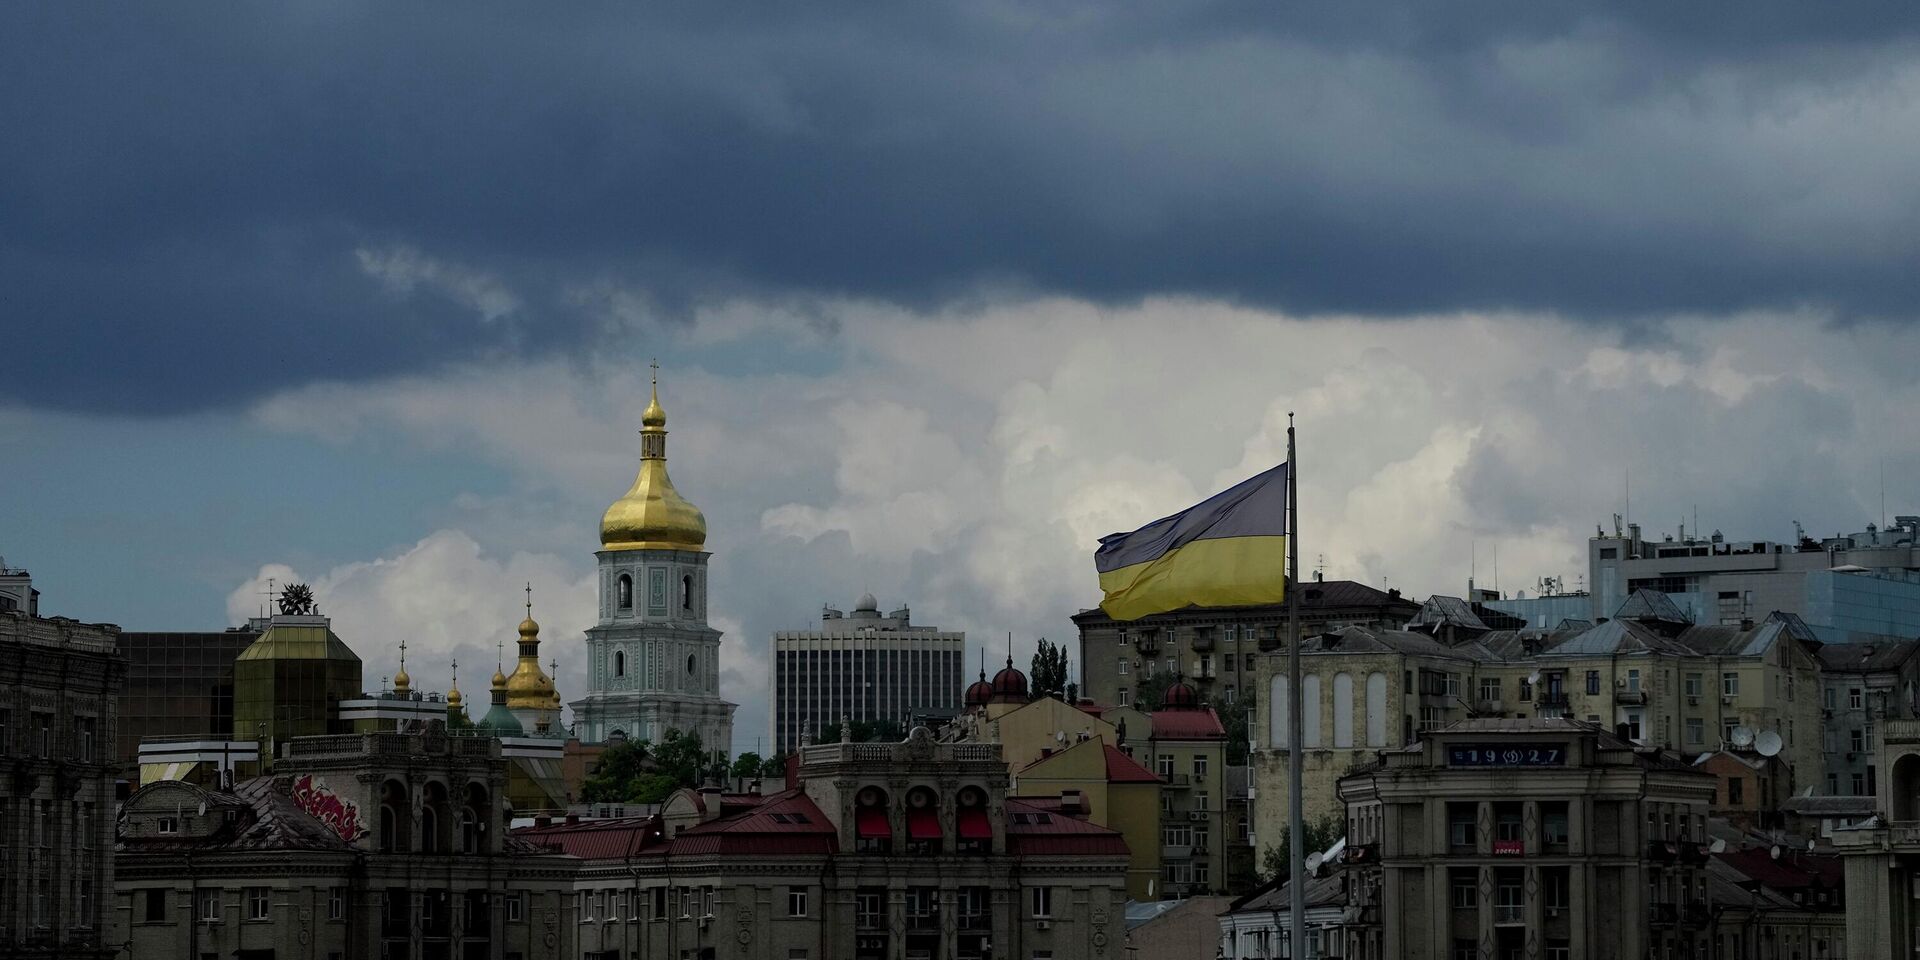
point(652, 514)
point(529, 629)
point(454, 699)
point(499, 680)
point(401, 682)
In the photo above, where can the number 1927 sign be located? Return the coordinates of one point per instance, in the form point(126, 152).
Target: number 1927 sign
point(1496, 755)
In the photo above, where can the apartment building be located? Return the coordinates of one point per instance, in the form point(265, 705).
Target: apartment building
point(1188, 751)
point(1861, 686)
point(1217, 649)
point(1513, 838)
point(1646, 673)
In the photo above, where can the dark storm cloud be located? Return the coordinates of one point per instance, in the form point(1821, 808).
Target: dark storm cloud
point(183, 195)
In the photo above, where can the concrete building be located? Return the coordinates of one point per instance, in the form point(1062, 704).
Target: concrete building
point(874, 851)
point(1882, 853)
point(1258, 926)
point(863, 666)
point(1527, 838)
point(382, 845)
point(1777, 902)
point(290, 681)
point(1216, 649)
point(1188, 930)
point(1115, 792)
point(1861, 683)
point(1843, 587)
point(653, 661)
point(1187, 749)
point(1646, 672)
point(57, 725)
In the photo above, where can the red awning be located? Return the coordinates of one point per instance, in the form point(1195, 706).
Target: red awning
point(923, 824)
point(973, 824)
point(872, 823)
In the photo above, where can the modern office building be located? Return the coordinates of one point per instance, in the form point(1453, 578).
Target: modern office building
point(179, 685)
point(379, 845)
point(861, 666)
point(1845, 587)
point(58, 713)
point(1540, 838)
point(290, 681)
point(1216, 649)
point(873, 851)
point(653, 661)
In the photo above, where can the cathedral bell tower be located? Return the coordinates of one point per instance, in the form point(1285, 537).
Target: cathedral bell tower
point(653, 662)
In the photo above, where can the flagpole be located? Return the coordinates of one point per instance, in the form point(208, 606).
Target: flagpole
point(1297, 936)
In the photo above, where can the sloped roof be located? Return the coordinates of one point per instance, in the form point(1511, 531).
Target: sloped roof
point(1830, 806)
point(1187, 724)
point(1440, 610)
point(1877, 657)
point(785, 823)
point(1651, 605)
point(1616, 637)
point(1363, 640)
point(1124, 769)
point(1794, 870)
point(1035, 831)
point(268, 820)
point(1327, 890)
point(605, 839)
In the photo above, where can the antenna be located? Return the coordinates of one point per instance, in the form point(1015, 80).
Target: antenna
point(1313, 862)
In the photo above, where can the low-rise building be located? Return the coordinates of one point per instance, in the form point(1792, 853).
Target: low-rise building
point(1537, 837)
point(381, 845)
point(873, 851)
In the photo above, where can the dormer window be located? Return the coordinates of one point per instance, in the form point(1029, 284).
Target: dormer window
point(168, 825)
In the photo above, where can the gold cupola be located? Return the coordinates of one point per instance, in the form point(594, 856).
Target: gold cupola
point(529, 687)
point(454, 699)
point(653, 515)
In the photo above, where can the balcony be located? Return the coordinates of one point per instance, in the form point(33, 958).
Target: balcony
point(1900, 731)
point(1174, 851)
point(975, 920)
point(1553, 698)
point(1203, 640)
point(1506, 914)
point(1627, 697)
point(1664, 913)
point(928, 920)
point(1179, 780)
point(1148, 644)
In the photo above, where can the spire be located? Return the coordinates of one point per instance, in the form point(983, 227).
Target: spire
point(652, 514)
point(402, 684)
point(454, 697)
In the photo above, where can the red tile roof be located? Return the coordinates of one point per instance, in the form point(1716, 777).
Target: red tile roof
point(1124, 769)
point(1793, 870)
point(611, 839)
point(1187, 725)
point(1033, 831)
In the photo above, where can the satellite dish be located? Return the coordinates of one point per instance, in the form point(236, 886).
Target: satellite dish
point(1767, 744)
point(1059, 736)
point(1717, 846)
point(1313, 862)
point(1776, 851)
point(1743, 736)
point(1533, 678)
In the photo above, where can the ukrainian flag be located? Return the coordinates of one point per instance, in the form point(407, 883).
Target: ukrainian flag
point(1230, 550)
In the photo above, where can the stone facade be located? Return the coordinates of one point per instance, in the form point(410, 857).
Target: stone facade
point(58, 722)
point(1527, 838)
point(382, 845)
point(875, 850)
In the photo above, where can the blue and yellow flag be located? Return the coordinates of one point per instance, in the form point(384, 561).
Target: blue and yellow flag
point(1229, 550)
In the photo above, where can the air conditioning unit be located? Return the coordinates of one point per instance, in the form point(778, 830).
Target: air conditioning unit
point(1043, 924)
point(1553, 911)
point(1197, 815)
point(1693, 701)
point(1726, 701)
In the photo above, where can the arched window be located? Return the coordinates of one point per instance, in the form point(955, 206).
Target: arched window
point(690, 665)
point(686, 592)
point(619, 663)
point(624, 592)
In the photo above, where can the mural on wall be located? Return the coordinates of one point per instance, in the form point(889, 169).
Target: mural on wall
point(340, 816)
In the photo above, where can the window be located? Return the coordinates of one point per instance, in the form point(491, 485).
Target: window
point(1633, 727)
point(1122, 635)
point(1696, 730)
point(1729, 684)
point(624, 592)
point(83, 728)
point(257, 903)
point(337, 903)
point(155, 902)
point(659, 903)
point(210, 906)
point(1557, 884)
point(1633, 681)
point(1466, 895)
point(1736, 790)
point(1869, 733)
point(1593, 681)
point(796, 953)
point(1830, 698)
point(1853, 698)
point(1250, 661)
point(1230, 693)
point(1859, 784)
point(1466, 949)
point(1165, 762)
point(1833, 784)
point(619, 663)
point(870, 909)
point(1693, 685)
point(1553, 824)
point(1489, 688)
point(516, 907)
point(1124, 663)
point(686, 592)
point(796, 901)
point(1041, 900)
point(1726, 728)
point(1451, 685)
point(1202, 839)
point(1126, 697)
point(1460, 824)
point(1609, 553)
point(1857, 738)
point(1199, 766)
point(43, 735)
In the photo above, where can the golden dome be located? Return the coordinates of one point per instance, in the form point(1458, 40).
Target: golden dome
point(454, 699)
point(401, 682)
point(653, 515)
point(529, 629)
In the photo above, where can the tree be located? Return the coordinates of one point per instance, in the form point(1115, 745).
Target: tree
point(774, 766)
point(748, 765)
point(1152, 690)
point(1321, 834)
point(1234, 715)
point(641, 772)
point(1049, 677)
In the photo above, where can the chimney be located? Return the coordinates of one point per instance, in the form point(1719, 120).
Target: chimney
point(1071, 803)
point(543, 821)
point(709, 801)
point(572, 818)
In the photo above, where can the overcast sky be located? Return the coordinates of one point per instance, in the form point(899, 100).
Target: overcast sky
point(941, 294)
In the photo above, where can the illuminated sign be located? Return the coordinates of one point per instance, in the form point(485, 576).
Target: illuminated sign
point(1499, 755)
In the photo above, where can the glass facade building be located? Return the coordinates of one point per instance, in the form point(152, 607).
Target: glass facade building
point(178, 685)
point(290, 682)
